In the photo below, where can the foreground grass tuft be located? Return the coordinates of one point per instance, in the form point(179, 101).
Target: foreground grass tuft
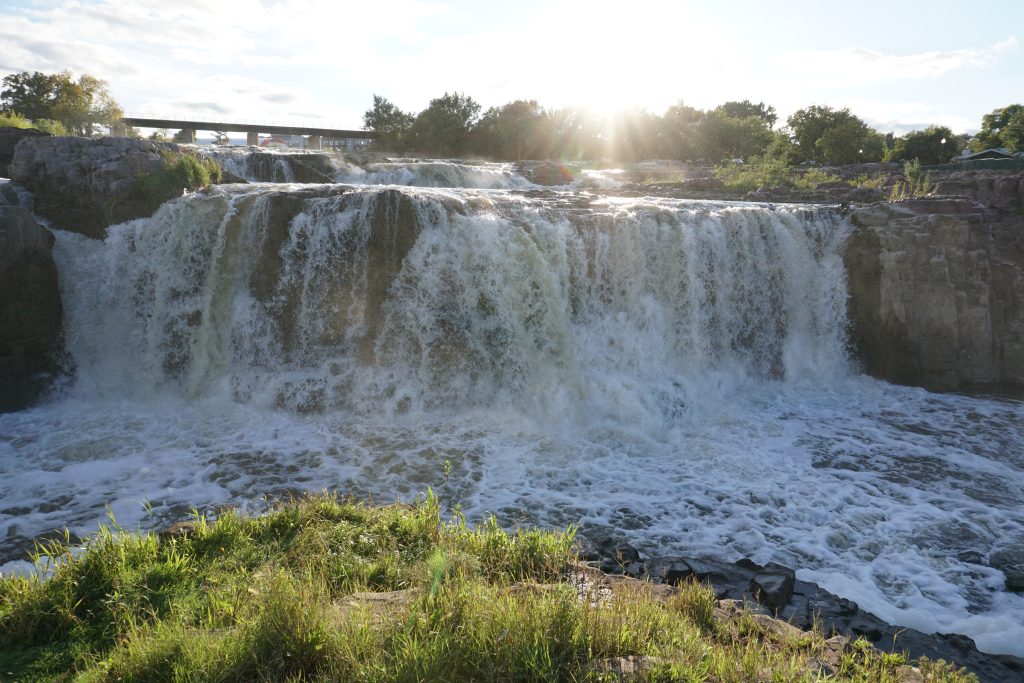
point(329, 589)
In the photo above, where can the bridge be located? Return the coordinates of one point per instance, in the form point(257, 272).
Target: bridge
point(315, 135)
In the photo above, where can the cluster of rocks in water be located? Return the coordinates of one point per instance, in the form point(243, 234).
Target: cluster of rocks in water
point(774, 590)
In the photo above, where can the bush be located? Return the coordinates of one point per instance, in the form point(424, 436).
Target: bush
point(917, 183)
point(183, 173)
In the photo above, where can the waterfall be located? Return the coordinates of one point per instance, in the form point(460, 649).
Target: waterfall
point(404, 299)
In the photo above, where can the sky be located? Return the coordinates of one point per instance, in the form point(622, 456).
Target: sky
point(899, 65)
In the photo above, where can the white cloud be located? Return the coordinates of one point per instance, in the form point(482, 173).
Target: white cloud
point(857, 65)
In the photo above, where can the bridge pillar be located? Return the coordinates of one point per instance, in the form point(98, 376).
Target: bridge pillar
point(252, 139)
point(313, 142)
point(118, 129)
point(188, 136)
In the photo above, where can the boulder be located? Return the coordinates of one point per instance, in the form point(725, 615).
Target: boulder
point(772, 586)
point(30, 310)
point(85, 184)
point(9, 138)
point(936, 289)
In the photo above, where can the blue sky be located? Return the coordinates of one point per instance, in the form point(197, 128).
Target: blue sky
point(897, 64)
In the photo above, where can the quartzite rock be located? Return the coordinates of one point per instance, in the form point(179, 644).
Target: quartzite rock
point(9, 139)
point(84, 184)
point(30, 310)
point(936, 287)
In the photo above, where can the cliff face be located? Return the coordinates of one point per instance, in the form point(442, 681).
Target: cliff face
point(937, 286)
point(30, 308)
point(85, 184)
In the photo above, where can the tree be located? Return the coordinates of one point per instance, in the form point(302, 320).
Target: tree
point(221, 138)
point(517, 130)
point(850, 142)
point(720, 136)
point(391, 124)
point(160, 136)
point(933, 145)
point(79, 105)
point(678, 131)
point(1001, 128)
point(444, 126)
point(746, 109)
point(835, 136)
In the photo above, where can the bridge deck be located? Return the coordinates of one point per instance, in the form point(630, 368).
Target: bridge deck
point(179, 124)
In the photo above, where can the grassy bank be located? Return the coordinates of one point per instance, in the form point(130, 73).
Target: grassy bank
point(328, 589)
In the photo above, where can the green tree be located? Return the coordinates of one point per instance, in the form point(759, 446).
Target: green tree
point(79, 105)
point(221, 138)
point(835, 136)
point(678, 136)
point(933, 145)
point(391, 124)
point(444, 127)
point(1001, 128)
point(720, 136)
point(517, 130)
point(746, 109)
point(850, 142)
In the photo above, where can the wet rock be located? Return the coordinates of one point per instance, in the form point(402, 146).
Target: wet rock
point(30, 310)
point(615, 555)
point(1010, 561)
point(772, 586)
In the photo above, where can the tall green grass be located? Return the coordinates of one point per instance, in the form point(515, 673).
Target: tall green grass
point(327, 589)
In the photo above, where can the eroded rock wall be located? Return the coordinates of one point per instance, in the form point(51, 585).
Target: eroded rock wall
point(937, 286)
point(84, 184)
point(30, 309)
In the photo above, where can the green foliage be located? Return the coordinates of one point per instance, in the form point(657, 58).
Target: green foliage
point(160, 136)
point(285, 597)
point(183, 173)
point(518, 130)
point(747, 109)
point(1001, 128)
point(917, 183)
point(391, 124)
point(78, 105)
point(721, 136)
point(443, 128)
point(13, 120)
point(772, 172)
point(934, 145)
point(833, 136)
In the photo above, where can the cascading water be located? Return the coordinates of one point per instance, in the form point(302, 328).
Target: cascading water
point(435, 173)
point(673, 369)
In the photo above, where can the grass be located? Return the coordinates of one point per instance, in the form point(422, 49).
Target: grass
point(183, 172)
point(15, 120)
point(329, 589)
point(773, 172)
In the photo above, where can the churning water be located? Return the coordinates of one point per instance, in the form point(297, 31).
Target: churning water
point(673, 370)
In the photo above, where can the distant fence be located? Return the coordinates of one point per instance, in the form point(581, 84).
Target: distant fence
point(980, 165)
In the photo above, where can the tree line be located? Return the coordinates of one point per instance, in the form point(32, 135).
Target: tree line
point(453, 125)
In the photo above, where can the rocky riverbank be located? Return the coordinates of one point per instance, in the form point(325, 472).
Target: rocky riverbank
point(774, 590)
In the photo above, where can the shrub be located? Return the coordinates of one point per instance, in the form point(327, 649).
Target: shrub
point(183, 173)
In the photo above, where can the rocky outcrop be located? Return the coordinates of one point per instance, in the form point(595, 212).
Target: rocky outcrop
point(262, 166)
point(30, 309)
point(9, 139)
point(936, 286)
point(774, 590)
point(84, 185)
